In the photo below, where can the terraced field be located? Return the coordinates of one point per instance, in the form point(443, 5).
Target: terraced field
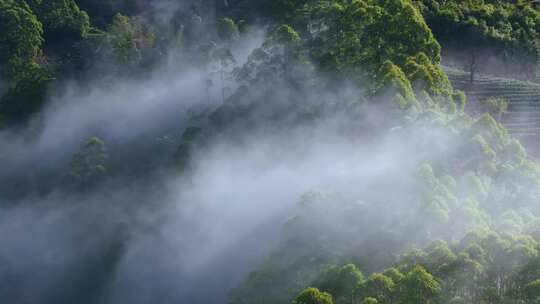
point(522, 117)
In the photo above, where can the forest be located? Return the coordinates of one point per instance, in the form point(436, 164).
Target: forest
point(270, 151)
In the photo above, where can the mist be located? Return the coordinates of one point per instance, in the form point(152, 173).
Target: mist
point(190, 237)
point(298, 161)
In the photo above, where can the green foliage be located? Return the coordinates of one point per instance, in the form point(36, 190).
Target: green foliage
point(427, 75)
point(24, 23)
point(418, 287)
point(368, 33)
point(495, 106)
point(102, 11)
point(379, 287)
point(27, 96)
point(376, 30)
point(478, 178)
point(388, 39)
point(20, 46)
point(128, 39)
point(286, 35)
point(370, 301)
point(465, 188)
point(277, 61)
point(21, 35)
point(507, 29)
point(313, 296)
point(460, 99)
point(340, 281)
point(394, 274)
point(399, 33)
point(392, 79)
point(62, 19)
point(279, 9)
point(531, 291)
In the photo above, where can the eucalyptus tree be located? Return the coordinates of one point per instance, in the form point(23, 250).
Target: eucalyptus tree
point(313, 296)
point(21, 36)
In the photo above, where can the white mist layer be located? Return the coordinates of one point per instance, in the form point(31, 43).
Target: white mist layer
point(196, 236)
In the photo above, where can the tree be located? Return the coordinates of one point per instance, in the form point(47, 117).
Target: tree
point(391, 80)
point(286, 35)
point(457, 300)
point(531, 291)
point(394, 274)
point(439, 257)
point(377, 286)
point(62, 19)
point(478, 30)
point(128, 39)
point(88, 165)
point(188, 143)
point(341, 282)
point(280, 9)
point(370, 301)
point(368, 33)
point(496, 107)
point(272, 61)
point(476, 42)
point(101, 12)
point(313, 296)
point(27, 95)
point(122, 34)
point(20, 44)
point(20, 37)
point(366, 38)
point(225, 61)
point(418, 287)
point(399, 33)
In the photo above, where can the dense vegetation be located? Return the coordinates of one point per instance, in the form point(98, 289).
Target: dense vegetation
point(452, 218)
point(477, 31)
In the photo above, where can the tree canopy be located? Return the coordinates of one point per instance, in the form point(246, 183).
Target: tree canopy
point(21, 37)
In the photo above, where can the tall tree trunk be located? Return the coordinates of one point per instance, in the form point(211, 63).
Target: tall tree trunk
point(472, 66)
point(222, 85)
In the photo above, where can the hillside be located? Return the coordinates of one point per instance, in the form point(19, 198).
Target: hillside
point(521, 118)
point(269, 152)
